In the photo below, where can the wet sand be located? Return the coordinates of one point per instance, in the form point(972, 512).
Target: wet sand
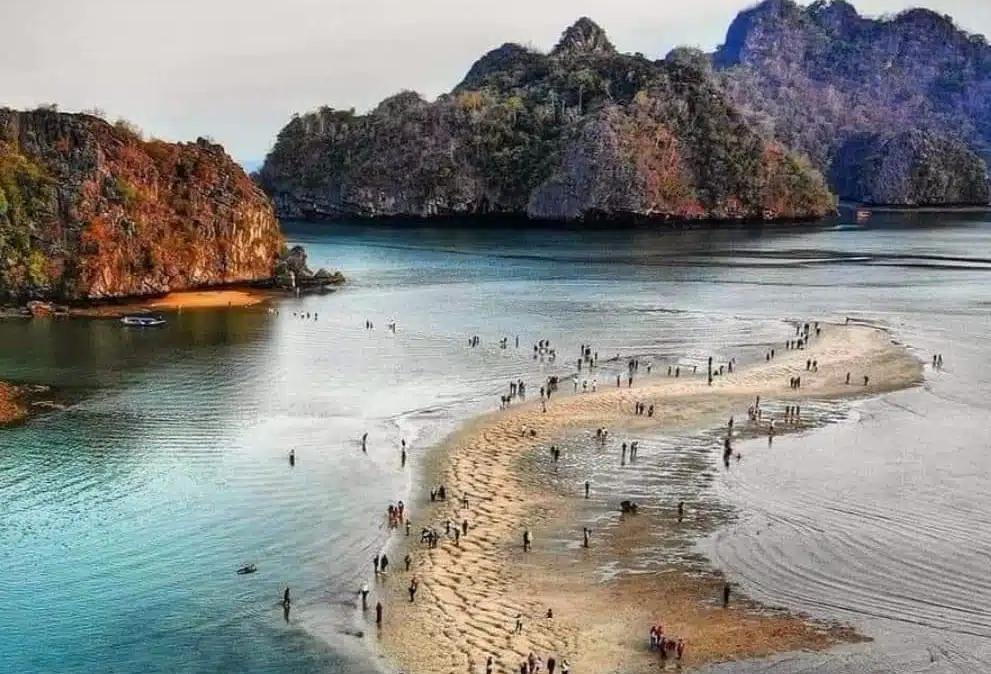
point(469, 596)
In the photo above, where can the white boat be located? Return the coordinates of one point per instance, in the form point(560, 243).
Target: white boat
point(143, 321)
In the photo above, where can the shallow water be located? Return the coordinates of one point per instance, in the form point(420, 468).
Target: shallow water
point(124, 518)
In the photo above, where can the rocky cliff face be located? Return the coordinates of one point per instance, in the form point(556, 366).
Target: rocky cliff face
point(912, 168)
point(824, 81)
point(581, 132)
point(89, 211)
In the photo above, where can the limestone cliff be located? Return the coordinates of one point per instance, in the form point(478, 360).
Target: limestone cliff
point(844, 89)
point(582, 132)
point(90, 211)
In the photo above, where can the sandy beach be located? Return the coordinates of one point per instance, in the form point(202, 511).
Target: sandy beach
point(191, 299)
point(469, 595)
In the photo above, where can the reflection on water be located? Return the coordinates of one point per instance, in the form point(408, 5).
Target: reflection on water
point(125, 517)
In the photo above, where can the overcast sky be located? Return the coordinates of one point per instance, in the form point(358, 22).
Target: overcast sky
point(237, 69)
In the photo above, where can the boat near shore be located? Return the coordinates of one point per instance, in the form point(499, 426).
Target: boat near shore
point(143, 321)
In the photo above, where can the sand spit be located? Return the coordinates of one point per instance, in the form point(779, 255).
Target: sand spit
point(469, 595)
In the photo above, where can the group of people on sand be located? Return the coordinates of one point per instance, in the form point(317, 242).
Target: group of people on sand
point(803, 331)
point(534, 665)
point(666, 646)
point(587, 357)
point(396, 514)
point(517, 389)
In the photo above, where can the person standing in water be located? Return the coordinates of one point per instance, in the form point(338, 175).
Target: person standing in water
point(292, 457)
point(587, 485)
point(378, 614)
point(364, 442)
point(364, 596)
point(285, 597)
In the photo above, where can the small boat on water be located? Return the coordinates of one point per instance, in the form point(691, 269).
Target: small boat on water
point(246, 569)
point(143, 321)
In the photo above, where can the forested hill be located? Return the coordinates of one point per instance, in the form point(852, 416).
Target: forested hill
point(581, 132)
point(894, 110)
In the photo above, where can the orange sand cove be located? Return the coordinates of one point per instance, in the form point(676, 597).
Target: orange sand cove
point(190, 299)
point(469, 595)
point(198, 299)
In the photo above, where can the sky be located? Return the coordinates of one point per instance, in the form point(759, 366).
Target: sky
point(236, 70)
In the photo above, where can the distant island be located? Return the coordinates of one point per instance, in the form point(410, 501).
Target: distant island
point(893, 112)
point(581, 133)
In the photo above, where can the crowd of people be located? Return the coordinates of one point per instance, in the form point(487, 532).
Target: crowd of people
point(668, 647)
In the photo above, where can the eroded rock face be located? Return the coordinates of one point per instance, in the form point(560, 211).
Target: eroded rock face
point(581, 132)
point(89, 211)
point(822, 77)
point(912, 168)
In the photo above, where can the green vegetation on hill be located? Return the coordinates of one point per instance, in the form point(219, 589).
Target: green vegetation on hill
point(515, 135)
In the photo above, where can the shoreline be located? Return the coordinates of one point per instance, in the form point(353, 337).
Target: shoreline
point(209, 298)
point(177, 301)
point(470, 594)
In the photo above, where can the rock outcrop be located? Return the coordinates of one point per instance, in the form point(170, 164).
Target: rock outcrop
point(846, 90)
point(292, 273)
point(90, 211)
point(583, 132)
point(912, 168)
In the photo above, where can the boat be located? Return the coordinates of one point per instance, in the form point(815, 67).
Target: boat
point(143, 321)
point(246, 569)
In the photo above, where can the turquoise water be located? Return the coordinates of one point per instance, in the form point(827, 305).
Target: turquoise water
point(124, 517)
